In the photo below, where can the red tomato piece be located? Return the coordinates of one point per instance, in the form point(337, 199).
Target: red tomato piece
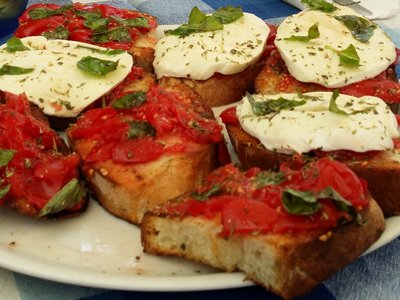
point(228, 116)
point(138, 150)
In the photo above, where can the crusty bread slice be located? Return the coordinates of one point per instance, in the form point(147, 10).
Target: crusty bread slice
point(128, 191)
point(289, 265)
point(382, 171)
point(219, 89)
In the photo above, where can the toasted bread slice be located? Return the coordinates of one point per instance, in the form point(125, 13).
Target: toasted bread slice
point(381, 170)
point(289, 264)
point(219, 89)
point(128, 191)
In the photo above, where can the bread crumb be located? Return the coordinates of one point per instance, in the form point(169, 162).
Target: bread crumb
point(325, 237)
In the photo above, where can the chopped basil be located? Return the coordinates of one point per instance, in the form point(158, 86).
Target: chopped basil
point(213, 191)
point(5, 156)
point(200, 22)
point(300, 202)
point(321, 5)
point(140, 129)
point(13, 70)
point(348, 56)
point(265, 178)
point(96, 66)
point(96, 23)
point(361, 28)
point(4, 190)
point(228, 14)
point(130, 100)
point(60, 33)
point(133, 22)
point(14, 44)
point(119, 34)
point(71, 194)
point(42, 12)
point(262, 108)
point(333, 106)
point(313, 33)
point(306, 203)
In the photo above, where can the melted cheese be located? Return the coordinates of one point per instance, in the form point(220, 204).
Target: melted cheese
point(312, 62)
point(56, 84)
point(368, 125)
point(199, 55)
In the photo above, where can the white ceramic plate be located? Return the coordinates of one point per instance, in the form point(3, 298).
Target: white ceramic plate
point(99, 250)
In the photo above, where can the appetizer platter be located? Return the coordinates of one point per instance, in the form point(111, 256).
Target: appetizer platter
point(142, 110)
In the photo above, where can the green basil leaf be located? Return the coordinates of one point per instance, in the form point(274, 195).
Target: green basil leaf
point(196, 17)
point(130, 100)
point(313, 33)
point(137, 22)
point(60, 33)
point(140, 129)
point(348, 56)
point(300, 202)
point(213, 191)
point(265, 178)
point(4, 190)
point(228, 14)
point(5, 156)
point(96, 66)
point(96, 23)
point(42, 12)
point(14, 44)
point(71, 194)
point(321, 5)
point(361, 28)
point(200, 22)
point(88, 14)
point(119, 34)
point(13, 70)
point(333, 106)
point(262, 108)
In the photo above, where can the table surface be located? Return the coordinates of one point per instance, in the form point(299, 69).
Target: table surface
point(374, 276)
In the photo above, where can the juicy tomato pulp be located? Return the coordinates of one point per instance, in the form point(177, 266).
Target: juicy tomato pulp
point(37, 171)
point(382, 86)
point(98, 24)
point(143, 133)
point(247, 204)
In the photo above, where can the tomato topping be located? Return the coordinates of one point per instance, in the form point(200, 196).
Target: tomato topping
point(36, 170)
point(315, 196)
point(137, 132)
point(228, 116)
point(98, 24)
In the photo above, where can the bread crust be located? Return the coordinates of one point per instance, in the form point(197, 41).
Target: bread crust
point(381, 171)
point(219, 89)
point(128, 191)
point(290, 265)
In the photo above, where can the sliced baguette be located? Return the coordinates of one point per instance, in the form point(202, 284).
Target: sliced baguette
point(289, 265)
point(382, 171)
point(128, 191)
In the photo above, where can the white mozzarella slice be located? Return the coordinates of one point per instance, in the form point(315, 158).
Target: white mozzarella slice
point(315, 61)
point(56, 84)
point(199, 55)
point(368, 125)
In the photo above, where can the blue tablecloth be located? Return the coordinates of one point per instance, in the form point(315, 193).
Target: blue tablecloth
point(374, 276)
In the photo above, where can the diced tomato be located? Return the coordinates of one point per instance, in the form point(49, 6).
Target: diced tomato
point(138, 150)
point(228, 116)
point(25, 15)
point(39, 26)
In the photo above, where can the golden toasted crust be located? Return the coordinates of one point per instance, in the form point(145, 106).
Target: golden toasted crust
point(128, 191)
point(143, 50)
point(289, 265)
point(382, 171)
point(219, 89)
